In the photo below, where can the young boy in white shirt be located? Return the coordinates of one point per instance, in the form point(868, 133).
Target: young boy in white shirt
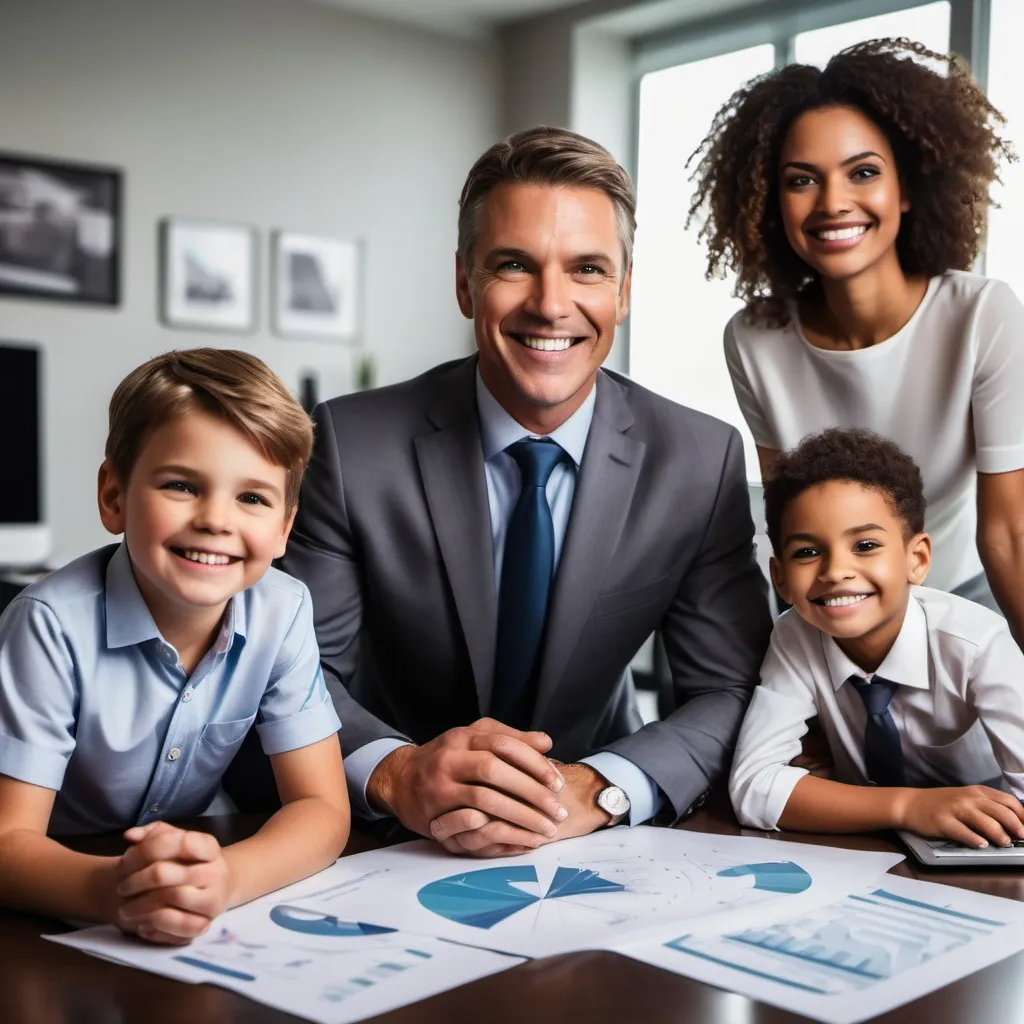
point(920, 693)
point(129, 678)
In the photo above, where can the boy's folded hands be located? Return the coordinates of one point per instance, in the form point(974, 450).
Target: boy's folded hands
point(972, 815)
point(170, 884)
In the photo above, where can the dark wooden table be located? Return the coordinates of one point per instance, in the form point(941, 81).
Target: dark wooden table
point(43, 983)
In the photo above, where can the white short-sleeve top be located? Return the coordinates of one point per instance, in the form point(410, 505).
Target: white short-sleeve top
point(948, 388)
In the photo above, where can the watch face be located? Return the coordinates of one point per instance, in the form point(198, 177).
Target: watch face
point(613, 800)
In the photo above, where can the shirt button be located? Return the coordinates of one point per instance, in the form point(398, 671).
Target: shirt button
point(186, 696)
point(173, 754)
point(155, 809)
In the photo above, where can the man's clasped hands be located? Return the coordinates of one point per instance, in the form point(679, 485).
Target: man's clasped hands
point(487, 790)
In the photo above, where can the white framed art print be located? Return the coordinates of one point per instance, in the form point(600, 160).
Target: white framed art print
point(316, 286)
point(208, 275)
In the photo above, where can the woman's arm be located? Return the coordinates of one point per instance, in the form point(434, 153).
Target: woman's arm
point(1001, 542)
point(766, 457)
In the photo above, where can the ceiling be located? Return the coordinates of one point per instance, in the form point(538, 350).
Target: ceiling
point(472, 18)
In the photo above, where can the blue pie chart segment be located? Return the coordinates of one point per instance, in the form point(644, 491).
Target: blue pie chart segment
point(580, 882)
point(773, 876)
point(312, 922)
point(480, 899)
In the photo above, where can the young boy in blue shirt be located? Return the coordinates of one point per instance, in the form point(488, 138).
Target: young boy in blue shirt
point(129, 678)
point(920, 693)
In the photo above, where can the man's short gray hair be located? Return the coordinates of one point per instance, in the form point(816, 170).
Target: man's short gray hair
point(547, 156)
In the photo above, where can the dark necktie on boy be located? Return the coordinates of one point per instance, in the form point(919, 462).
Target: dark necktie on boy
point(883, 755)
point(526, 571)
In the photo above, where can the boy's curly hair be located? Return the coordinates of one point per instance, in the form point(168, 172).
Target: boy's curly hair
point(943, 132)
point(856, 455)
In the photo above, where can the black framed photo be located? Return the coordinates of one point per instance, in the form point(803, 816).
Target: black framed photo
point(60, 230)
point(207, 275)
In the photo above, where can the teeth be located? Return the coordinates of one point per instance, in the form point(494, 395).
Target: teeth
point(547, 344)
point(206, 557)
point(841, 602)
point(841, 233)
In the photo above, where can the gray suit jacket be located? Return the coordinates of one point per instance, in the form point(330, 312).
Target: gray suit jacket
point(393, 539)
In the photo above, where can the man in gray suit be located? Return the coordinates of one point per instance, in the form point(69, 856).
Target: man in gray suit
point(500, 535)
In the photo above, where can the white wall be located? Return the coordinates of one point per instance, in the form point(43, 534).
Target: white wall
point(273, 113)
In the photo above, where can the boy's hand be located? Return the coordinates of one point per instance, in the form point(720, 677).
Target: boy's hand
point(971, 815)
point(171, 884)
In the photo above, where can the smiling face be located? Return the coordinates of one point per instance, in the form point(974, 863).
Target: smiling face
point(546, 291)
point(846, 567)
point(203, 513)
point(840, 194)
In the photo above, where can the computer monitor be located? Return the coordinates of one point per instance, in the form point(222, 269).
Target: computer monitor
point(24, 535)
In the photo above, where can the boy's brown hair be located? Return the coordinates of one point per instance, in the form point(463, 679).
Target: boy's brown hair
point(234, 386)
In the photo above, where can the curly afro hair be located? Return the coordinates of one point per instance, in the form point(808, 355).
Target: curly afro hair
point(943, 132)
point(859, 456)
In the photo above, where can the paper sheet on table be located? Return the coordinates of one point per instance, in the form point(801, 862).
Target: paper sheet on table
point(588, 893)
point(304, 960)
point(852, 958)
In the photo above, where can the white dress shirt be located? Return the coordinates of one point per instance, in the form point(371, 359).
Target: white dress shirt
point(947, 387)
point(959, 706)
point(498, 430)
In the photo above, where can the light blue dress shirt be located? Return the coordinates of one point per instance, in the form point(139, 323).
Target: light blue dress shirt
point(498, 430)
point(94, 702)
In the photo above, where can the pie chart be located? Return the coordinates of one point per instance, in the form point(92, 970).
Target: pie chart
point(312, 922)
point(481, 899)
point(773, 876)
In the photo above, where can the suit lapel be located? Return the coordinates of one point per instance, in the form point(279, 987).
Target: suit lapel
point(604, 492)
point(452, 469)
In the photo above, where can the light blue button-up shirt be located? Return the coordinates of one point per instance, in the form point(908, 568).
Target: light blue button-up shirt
point(498, 430)
point(94, 702)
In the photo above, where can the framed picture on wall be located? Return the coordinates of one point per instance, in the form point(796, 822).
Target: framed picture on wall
point(207, 275)
point(60, 230)
point(316, 286)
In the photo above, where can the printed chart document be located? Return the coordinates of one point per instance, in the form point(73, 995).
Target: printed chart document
point(379, 930)
point(293, 951)
point(592, 892)
point(853, 958)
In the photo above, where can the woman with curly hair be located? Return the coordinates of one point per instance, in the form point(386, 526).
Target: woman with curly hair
point(851, 203)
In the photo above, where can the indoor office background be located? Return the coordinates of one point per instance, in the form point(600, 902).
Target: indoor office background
point(358, 119)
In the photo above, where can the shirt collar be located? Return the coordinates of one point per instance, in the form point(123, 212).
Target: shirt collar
point(498, 429)
point(907, 660)
point(129, 620)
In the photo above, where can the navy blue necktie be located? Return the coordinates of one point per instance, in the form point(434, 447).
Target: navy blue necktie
point(526, 571)
point(883, 754)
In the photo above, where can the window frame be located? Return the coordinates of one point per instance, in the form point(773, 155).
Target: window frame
point(711, 37)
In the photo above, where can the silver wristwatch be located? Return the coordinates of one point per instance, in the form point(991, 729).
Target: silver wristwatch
point(613, 801)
